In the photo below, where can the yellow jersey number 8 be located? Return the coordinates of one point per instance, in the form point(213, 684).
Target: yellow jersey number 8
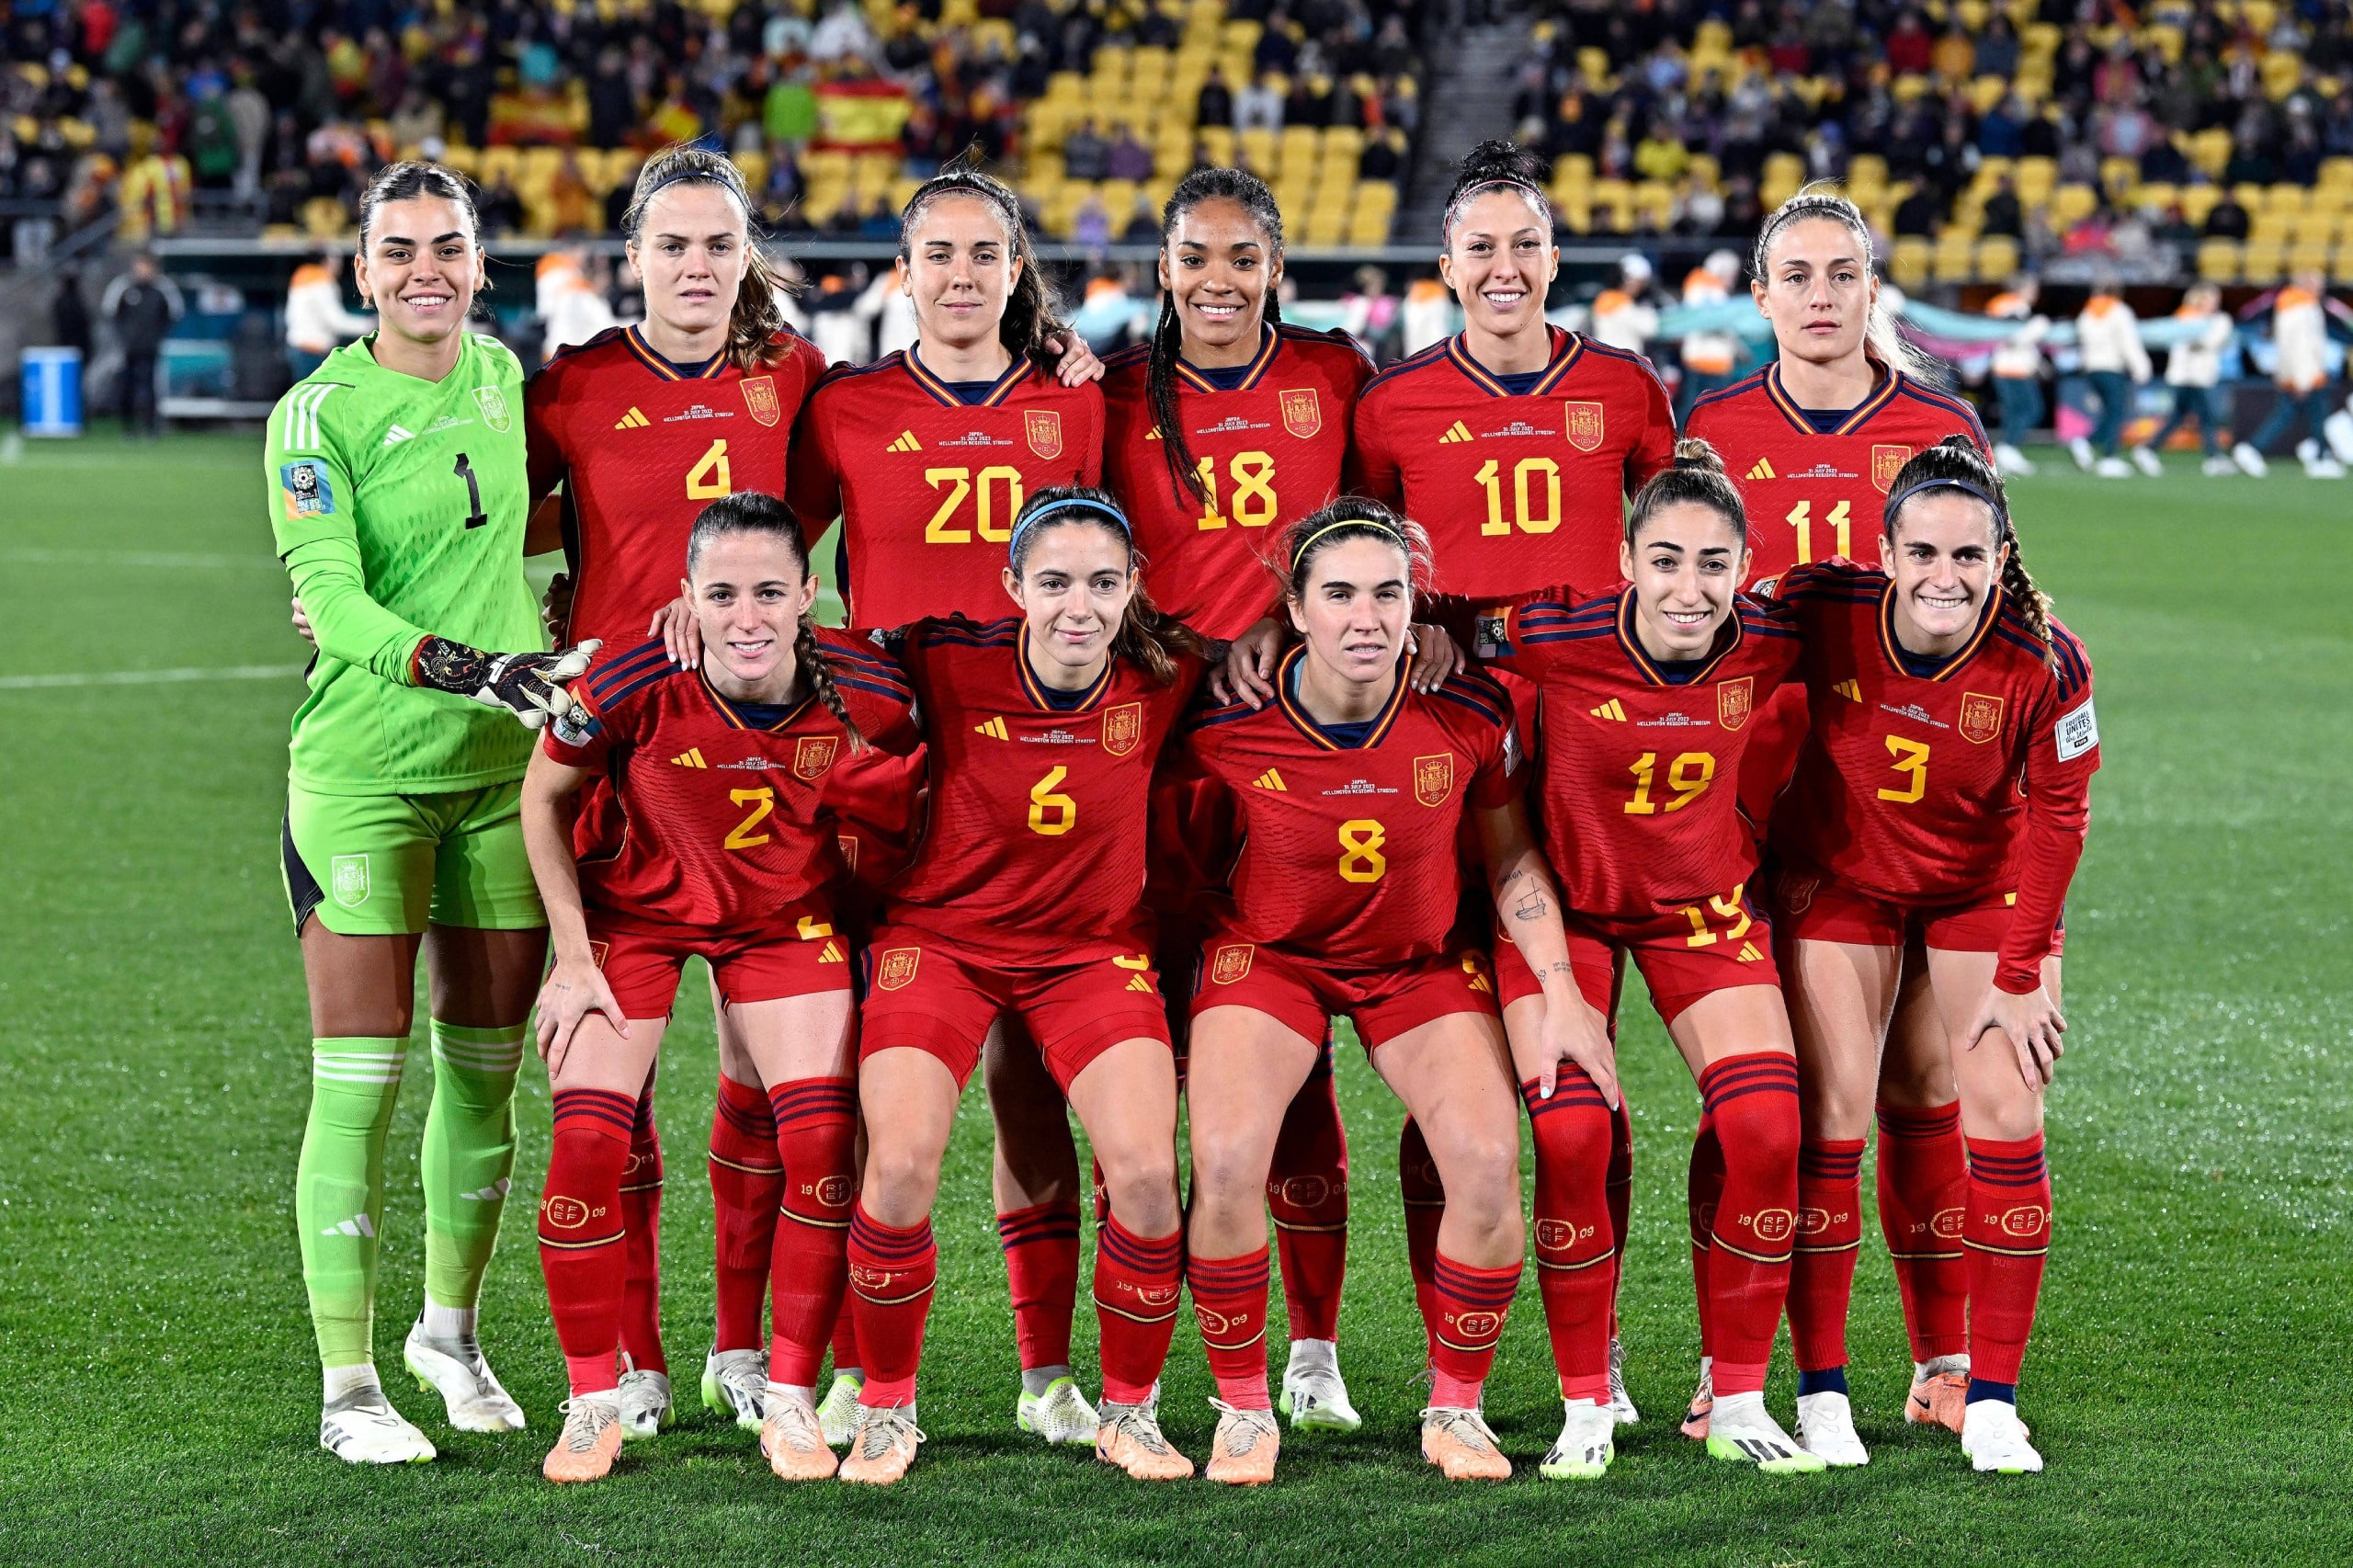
point(1360, 857)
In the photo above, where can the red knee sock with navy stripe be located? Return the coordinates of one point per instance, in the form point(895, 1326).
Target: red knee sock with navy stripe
point(1576, 1249)
point(816, 1136)
point(581, 1243)
point(641, 1209)
point(1307, 1192)
point(2009, 1237)
point(1041, 1271)
point(1703, 1189)
point(1471, 1306)
point(846, 1339)
point(747, 1184)
point(1753, 1100)
point(1425, 1196)
point(891, 1271)
point(1230, 1301)
point(1923, 1190)
point(1821, 1271)
point(1137, 1280)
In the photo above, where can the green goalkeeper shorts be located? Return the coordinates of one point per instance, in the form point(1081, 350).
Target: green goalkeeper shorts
point(387, 865)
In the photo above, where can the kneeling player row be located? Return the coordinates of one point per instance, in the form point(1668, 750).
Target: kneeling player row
point(1309, 858)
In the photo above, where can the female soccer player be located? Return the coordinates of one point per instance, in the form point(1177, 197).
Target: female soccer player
point(1814, 441)
point(399, 469)
point(1227, 425)
point(1349, 795)
point(1024, 899)
point(1943, 791)
point(747, 878)
point(927, 455)
point(1649, 695)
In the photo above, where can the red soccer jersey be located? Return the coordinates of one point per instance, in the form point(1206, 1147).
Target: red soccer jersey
point(927, 485)
point(1515, 491)
point(722, 822)
point(1348, 847)
point(1812, 494)
point(1036, 834)
point(641, 446)
point(1926, 789)
point(1640, 761)
point(1270, 450)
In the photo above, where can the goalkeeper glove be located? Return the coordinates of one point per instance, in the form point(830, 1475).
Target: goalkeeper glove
point(529, 686)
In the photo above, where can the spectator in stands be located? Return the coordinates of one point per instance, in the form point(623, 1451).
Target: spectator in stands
point(1997, 48)
point(1259, 105)
point(1129, 159)
point(1090, 226)
point(2226, 220)
point(1143, 223)
point(140, 306)
point(1916, 215)
point(499, 208)
point(2192, 369)
point(1711, 359)
point(2108, 335)
point(2001, 214)
point(1383, 156)
point(1084, 153)
point(1215, 105)
point(1909, 50)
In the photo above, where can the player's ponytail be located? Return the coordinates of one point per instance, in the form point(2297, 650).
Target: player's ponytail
point(1029, 322)
point(1495, 164)
point(752, 512)
point(1250, 193)
point(1147, 637)
point(1955, 464)
point(757, 314)
point(1821, 199)
point(1696, 477)
point(1350, 516)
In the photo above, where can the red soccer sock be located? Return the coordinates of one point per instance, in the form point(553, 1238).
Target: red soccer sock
point(2008, 1237)
point(641, 1204)
point(891, 1271)
point(747, 1184)
point(1230, 1301)
point(582, 1249)
point(1620, 1189)
point(1703, 1190)
point(1041, 1270)
point(846, 1339)
point(816, 1136)
point(1753, 1099)
point(1471, 1306)
point(1923, 1192)
point(1307, 1191)
point(1136, 1284)
point(1575, 1247)
point(1425, 1196)
point(1830, 1234)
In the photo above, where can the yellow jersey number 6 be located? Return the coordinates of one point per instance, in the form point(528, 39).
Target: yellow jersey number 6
point(1051, 812)
point(1360, 857)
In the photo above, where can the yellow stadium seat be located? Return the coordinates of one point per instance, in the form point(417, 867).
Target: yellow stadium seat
point(2267, 225)
point(1572, 170)
point(2318, 226)
point(1219, 142)
point(2072, 203)
point(2157, 196)
point(1298, 150)
point(755, 165)
point(2197, 202)
point(1909, 265)
point(2211, 150)
point(1998, 258)
point(2037, 178)
point(2308, 255)
point(1256, 147)
point(1954, 259)
point(466, 160)
point(2218, 260)
point(1242, 38)
point(2342, 273)
point(2119, 176)
point(1574, 209)
point(2336, 173)
point(2263, 261)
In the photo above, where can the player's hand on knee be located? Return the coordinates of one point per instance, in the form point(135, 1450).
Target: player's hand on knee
point(1078, 364)
point(2031, 1023)
point(1247, 675)
point(681, 633)
point(1577, 1037)
point(573, 989)
point(1437, 656)
point(302, 623)
point(529, 686)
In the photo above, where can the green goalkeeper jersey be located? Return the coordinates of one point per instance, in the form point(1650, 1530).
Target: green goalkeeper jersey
point(398, 508)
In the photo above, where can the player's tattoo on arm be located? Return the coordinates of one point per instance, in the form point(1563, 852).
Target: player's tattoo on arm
point(1531, 906)
point(1564, 968)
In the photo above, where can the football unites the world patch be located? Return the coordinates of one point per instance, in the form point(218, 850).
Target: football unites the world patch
point(309, 493)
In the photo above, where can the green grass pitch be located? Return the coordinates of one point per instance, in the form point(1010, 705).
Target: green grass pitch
point(158, 1396)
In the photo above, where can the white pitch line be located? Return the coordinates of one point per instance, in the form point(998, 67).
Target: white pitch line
point(175, 559)
point(149, 678)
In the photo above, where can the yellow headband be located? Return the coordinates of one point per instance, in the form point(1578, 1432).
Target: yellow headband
point(1309, 542)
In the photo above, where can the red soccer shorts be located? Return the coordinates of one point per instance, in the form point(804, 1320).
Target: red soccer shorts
point(1303, 997)
point(798, 957)
point(931, 993)
point(1815, 906)
point(1714, 945)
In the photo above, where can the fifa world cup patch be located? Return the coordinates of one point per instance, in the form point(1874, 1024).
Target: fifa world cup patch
point(347, 879)
point(308, 491)
point(2077, 731)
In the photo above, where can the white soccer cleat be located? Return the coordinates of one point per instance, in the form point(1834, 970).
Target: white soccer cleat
point(1826, 1430)
point(1996, 1440)
point(1585, 1446)
point(1314, 1395)
point(2113, 468)
point(2009, 460)
point(2219, 467)
point(2081, 450)
point(2323, 468)
point(645, 1401)
point(1741, 1430)
point(362, 1427)
point(2250, 462)
point(837, 1415)
point(456, 1369)
point(2148, 462)
point(1061, 1415)
point(735, 1383)
point(1621, 1403)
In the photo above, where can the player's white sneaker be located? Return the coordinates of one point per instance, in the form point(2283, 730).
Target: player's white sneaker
point(2148, 462)
point(735, 1382)
point(1826, 1430)
point(2323, 468)
point(1585, 1446)
point(645, 1401)
point(2113, 468)
point(2219, 467)
point(362, 1427)
point(2081, 450)
point(1314, 1394)
point(1741, 1429)
point(455, 1370)
point(1621, 1403)
point(2250, 462)
point(837, 1415)
point(1996, 1440)
point(1061, 1415)
point(2012, 461)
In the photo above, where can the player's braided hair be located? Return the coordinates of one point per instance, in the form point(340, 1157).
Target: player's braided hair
point(758, 312)
point(1250, 193)
point(752, 512)
point(1955, 464)
point(1029, 320)
point(1696, 477)
point(1822, 199)
point(1147, 637)
point(1495, 164)
point(408, 180)
point(1350, 516)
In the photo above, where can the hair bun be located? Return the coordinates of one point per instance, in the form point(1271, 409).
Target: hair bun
point(1696, 455)
point(1499, 158)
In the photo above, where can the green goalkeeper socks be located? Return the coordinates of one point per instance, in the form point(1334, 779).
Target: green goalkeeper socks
point(469, 1155)
point(339, 1189)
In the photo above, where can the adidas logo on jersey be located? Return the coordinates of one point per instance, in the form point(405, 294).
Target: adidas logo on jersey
point(1140, 984)
point(358, 1226)
point(907, 443)
point(632, 420)
point(395, 436)
point(1852, 691)
point(1153, 434)
point(1612, 710)
point(490, 1194)
point(1748, 954)
point(691, 757)
point(1458, 431)
point(1271, 779)
point(994, 730)
point(832, 953)
point(1764, 470)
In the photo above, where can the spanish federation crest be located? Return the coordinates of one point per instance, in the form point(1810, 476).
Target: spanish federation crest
point(493, 403)
point(349, 876)
point(759, 396)
point(1582, 424)
point(1980, 717)
point(1886, 463)
point(1434, 778)
point(1122, 728)
point(1303, 416)
point(1734, 698)
point(1230, 962)
point(894, 968)
point(814, 754)
point(1045, 428)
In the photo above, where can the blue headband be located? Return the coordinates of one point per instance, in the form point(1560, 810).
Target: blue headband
point(1896, 502)
point(1111, 515)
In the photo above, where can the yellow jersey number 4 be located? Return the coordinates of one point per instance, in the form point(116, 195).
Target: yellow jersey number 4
point(709, 477)
point(1252, 502)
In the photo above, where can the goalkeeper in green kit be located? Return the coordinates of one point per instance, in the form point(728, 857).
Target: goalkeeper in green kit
point(399, 493)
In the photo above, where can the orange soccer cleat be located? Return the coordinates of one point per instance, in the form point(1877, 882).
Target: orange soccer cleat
point(1129, 1435)
point(1703, 1402)
point(1458, 1442)
point(792, 1439)
point(1242, 1453)
point(591, 1437)
point(883, 1447)
point(1939, 1392)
